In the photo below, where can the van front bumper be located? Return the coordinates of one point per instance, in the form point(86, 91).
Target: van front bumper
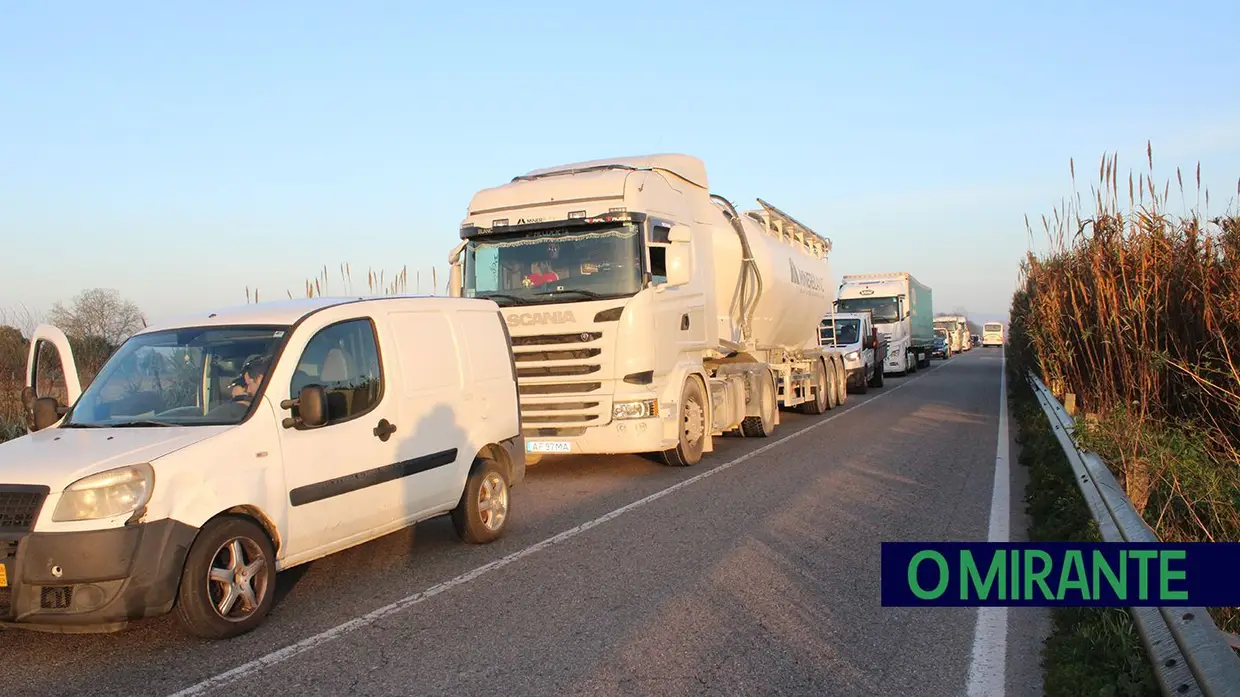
point(95, 581)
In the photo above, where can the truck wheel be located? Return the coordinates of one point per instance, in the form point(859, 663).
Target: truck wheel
point(764, 425)
point(911, 362)
point(228, 584)
point(693, 424)
point(481, 516)
point(821, 401)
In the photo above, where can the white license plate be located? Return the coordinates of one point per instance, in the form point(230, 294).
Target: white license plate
point(548, 446)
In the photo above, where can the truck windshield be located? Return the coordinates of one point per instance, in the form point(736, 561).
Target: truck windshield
point(183, 377)
point(885, 310)
point(552, 267)
point(847, 331)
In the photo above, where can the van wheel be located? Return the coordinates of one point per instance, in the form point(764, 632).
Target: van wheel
point(764, 425)
point(688, 450)
point(877, 379)
point(481, 516)
point(821, 401)
point(229, 580)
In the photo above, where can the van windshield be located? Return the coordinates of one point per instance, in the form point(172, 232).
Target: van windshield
point(847, 331)
point(183, 377)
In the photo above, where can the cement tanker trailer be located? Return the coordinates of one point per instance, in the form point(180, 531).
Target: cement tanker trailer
point(647, 315)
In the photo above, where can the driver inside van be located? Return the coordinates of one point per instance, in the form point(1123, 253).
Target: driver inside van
point(243, 389)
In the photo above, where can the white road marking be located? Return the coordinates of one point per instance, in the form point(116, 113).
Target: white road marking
point(988, 664)
point(340, 630)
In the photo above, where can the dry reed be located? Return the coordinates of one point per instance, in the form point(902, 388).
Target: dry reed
point(1137, 312)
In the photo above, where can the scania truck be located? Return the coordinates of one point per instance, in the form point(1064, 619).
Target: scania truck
point(647, 314)
point(903, 311)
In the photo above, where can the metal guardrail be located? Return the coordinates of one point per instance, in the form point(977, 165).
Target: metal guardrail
point(1190, 654)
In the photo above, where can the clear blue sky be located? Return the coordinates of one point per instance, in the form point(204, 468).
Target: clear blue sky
point(179, 152)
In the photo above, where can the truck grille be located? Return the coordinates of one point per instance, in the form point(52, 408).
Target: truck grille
point(20, 506)
point(553, 403)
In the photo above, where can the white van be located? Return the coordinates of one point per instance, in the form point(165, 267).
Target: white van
point(212, 452)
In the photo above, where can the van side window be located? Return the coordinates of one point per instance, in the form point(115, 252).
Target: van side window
point(344, 359)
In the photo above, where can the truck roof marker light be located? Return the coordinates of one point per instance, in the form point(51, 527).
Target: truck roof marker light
point(499, 222)
point(576, 214)
point(621, 209)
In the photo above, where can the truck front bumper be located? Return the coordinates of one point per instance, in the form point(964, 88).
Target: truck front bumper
point(623, 436)
point(95, 581)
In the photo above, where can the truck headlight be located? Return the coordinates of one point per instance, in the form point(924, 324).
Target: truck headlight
point(106, 494)
point(635, 410)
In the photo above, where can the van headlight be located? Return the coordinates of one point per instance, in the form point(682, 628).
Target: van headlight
point(852, 356)
point(106, 494)
point(635, 410)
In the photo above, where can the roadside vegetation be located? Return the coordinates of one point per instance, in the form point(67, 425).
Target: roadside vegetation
point(1136, 311)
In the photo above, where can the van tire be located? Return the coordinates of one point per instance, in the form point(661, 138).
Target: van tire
point(693, 418)
point(482, 514)
point(876, 380)
point(213, 548)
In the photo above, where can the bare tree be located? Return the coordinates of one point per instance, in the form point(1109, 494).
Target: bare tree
point(98, 313)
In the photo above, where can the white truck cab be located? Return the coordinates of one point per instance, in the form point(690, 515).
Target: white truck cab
point(865, 351)
point(211, 452)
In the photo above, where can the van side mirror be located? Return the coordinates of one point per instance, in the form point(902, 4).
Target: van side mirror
point(46, 411)
point(868, 342)
point(311, 407)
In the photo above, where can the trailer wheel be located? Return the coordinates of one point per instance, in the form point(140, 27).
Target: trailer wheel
point(764, 425)
point(688, 451)
point(822, 385)
point(841, 381)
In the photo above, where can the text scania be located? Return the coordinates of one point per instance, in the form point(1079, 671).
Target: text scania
point(531, 319)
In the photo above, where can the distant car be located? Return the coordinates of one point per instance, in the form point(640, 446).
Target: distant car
point(941, 348)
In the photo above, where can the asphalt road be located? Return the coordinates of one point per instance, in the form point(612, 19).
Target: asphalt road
point(758, 575)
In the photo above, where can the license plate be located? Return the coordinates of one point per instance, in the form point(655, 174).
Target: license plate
point(4, 576)
point(548, 446)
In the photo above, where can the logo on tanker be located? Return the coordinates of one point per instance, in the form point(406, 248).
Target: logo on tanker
point(531, 319)
point(805, 278)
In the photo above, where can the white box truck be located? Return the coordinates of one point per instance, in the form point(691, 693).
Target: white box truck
point(957, 327)
point(647, 314)
point(903, 311)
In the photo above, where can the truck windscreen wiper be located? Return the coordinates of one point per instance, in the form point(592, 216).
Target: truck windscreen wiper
point(587, 293)
point(512, 299)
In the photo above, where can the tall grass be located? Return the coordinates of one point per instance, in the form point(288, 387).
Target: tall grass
point(1136, 311)
point(377, 283)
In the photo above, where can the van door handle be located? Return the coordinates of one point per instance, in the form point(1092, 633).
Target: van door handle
point(684, 322)
point(384, 430)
